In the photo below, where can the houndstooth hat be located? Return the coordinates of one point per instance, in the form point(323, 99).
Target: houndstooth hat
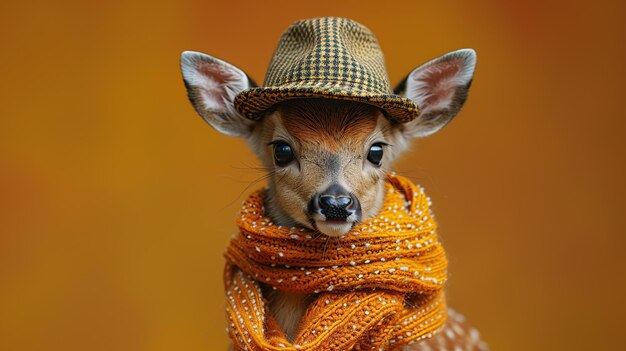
point(328, 57)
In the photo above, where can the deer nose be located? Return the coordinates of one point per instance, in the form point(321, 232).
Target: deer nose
point(328, 201)
point(335, 203)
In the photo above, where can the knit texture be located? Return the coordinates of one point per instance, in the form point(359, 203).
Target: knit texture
point(328, 57)
point(379, 287)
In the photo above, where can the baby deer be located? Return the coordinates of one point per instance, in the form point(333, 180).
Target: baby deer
point(327, 159)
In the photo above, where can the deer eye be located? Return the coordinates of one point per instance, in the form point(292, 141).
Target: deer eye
point(283, 153)
point(375, 155)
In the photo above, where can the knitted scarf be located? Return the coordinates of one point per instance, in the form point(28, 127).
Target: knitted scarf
point(378, 288)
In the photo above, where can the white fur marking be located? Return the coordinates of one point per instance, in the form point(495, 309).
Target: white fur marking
point(450, 334)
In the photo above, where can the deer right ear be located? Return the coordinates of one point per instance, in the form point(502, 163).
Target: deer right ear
point(212, 85)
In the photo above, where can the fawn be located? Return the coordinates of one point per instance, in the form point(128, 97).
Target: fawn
point(327, 159)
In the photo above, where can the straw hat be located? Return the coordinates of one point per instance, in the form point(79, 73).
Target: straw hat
point(328, 57)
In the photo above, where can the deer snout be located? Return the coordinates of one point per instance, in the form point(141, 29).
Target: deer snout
point(330, 202)
point(334, 210)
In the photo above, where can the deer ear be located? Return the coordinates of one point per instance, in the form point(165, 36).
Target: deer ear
point(439, 88)
point(212, 85)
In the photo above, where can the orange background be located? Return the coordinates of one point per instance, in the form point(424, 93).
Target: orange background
point(116, 200)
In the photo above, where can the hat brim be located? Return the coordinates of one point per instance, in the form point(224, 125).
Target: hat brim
point(253, 102)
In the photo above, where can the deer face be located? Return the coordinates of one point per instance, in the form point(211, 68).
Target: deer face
point(327, 159)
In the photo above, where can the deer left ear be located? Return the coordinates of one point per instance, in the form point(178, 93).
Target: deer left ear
point(439, 88)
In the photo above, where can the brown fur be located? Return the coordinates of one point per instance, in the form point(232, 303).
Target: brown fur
point(333, 124)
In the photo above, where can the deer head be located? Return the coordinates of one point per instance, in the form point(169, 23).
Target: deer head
point(327, 159)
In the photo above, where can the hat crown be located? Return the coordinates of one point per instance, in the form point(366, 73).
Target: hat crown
point(328, 58)
point(329, 49)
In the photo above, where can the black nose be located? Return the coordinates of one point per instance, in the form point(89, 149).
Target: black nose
point(335, 203)
point(341, 201)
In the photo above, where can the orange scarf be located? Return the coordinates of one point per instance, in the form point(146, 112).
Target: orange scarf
point(379, 287)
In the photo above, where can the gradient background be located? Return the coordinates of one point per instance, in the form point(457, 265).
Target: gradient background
point(116, 200)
